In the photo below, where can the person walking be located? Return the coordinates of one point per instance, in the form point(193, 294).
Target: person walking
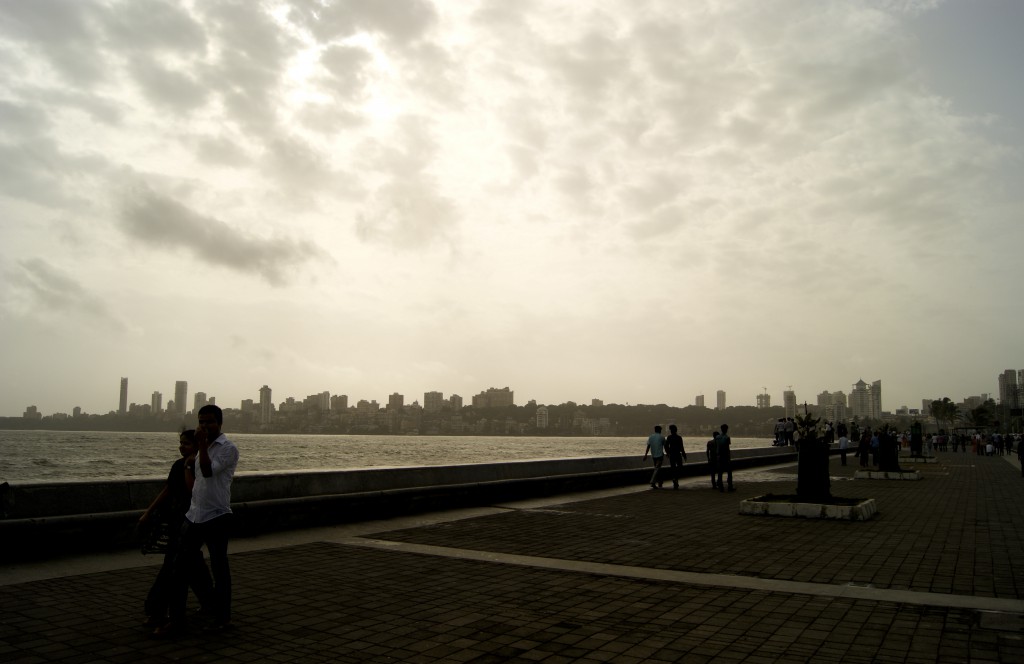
point(169, 507)
point(676, 454)
point(864, 447)
point(712, 453)
point(725, 458)
point(656, 448)
point(208, 522)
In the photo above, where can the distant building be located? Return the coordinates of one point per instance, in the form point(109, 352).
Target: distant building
point(866, 400)
point(720, 398)
point(266, 405)
point(339, 402)
point(455, 401)
point(494, 398)
point(199, 401)
point(76, 412)
point(542, 417)
point(156, 402)
point(32, 413)
point(764, 400)
point(789, 403)
point(1009, 395)
point(122, 407)
point(433, 401)
point(180, 396)
point(699, 401)
point(396, 401)
point(596, 403)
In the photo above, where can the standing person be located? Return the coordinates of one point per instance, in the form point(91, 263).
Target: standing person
point(863, 447)
point(676, 454)
point(656, 446)
point(208, 522)
point(712, 452)
point(170, 506)
point(724, 458)
point(843, 444)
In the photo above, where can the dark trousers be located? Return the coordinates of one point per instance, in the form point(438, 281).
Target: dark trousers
point(214, 534)
point(842, 456)
point(724, 467)
point(676, 462)
point(655, 480)
point(158, 601)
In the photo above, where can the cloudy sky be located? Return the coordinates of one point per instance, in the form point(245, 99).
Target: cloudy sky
point(632, 200)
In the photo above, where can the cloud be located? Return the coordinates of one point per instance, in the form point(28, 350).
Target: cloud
point(48, 290)
point(161, 222)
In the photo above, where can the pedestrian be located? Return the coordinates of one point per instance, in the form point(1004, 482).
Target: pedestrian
point(724, 458)
point(875, 440)
point(676, 454)
point(656, 447)
point(208, 521)
point(843, 442)
point(712, 452)
point(168, 511)
point(863, 447)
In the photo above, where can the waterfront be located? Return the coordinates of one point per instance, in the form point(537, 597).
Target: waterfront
point(56, 456)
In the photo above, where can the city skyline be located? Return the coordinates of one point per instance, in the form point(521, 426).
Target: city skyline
point(636, 201)
point(1009, 382)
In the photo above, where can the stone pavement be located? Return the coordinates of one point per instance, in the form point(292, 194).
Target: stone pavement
point(634, 575)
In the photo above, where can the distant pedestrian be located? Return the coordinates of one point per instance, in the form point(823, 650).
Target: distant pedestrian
point(712, 452)
point(864, 447)
point(656, 448)
point(843, 443)
point(725, 458)
point(676, 454)
point(876, 440)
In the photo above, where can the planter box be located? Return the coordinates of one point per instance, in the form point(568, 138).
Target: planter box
point(880, 475)
point(763, 506)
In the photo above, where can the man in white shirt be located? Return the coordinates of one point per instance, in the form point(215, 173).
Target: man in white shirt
point(207, 521)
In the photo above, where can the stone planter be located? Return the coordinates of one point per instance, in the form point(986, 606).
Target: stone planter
point(885, 475)
point(769, 505)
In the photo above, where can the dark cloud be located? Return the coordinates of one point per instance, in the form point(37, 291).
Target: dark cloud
point(162, 222)
point(62, 33)
point(53, 291)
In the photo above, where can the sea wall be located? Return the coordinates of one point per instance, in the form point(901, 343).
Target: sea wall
point(73, 515)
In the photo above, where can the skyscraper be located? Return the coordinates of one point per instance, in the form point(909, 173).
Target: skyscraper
point(699, 401)
point(789, 403)
point(157, 403)
point(866, 400)
point(122, 407)
point(720, 398)
point(180, 396)
point(764, 400)
point(266, 405)
point(199, 401)
point(433, 401)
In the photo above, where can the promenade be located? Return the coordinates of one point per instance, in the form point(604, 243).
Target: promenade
point(628, 575)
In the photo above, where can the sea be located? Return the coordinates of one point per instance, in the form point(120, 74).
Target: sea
point(62, 456)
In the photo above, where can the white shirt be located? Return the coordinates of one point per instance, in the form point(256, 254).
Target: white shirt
point(211, 496)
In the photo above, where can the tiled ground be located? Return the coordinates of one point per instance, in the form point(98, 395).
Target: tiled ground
point(327, 602)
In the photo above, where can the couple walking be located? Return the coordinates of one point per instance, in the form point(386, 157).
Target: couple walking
point(657, 445)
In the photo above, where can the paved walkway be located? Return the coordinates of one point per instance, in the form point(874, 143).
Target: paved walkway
point(633, 575)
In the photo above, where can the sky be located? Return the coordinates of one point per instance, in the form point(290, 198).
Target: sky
point(637, 201)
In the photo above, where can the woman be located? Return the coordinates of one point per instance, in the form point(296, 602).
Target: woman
point(170, 507)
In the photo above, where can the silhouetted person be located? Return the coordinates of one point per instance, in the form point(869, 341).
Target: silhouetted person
point(724, 458)
point(864, 447)
point(712, 452)
point(656, 446)
point(676, 454)
point(170, 506)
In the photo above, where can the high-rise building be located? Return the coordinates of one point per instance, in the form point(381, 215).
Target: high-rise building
point(699, 401)
point(542, 417)
point(122, 407)
point(156, 403)
point(181, 396)
point(494, 398)
point(789, 403)
point(764, 400)
point(266, 405)
point(396, 401)
point(1008, 381)
point(866, 400)
point(433, 401)
point(876, 399)
point(720, 400)
point(199, 401)
point(339, 403)
point(455, 401)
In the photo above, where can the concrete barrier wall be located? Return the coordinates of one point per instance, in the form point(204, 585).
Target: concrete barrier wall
point(52, 519)
point(48, 499)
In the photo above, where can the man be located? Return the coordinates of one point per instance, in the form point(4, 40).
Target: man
point(207, 522)
point(724, 458)
point(676, 454)
point(656, 446)
point(712, 452)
